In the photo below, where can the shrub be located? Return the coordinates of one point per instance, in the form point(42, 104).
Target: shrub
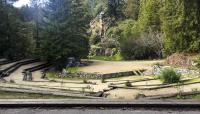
point(169, 75)
point(142, 46)
point(197, 62)
point(128, 84)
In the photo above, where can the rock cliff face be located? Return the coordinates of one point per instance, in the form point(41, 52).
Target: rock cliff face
point(99, 41)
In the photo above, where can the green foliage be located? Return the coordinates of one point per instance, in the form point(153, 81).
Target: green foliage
point(52, 75)
point(131, 49)
point(177, 20)
point(116, 57)
point(138, 39)
point(145, 46)
point(131, 9)
point(72, 69)
point(169, 75)
point(180, 24)
point(122, 30)
point(94, 7)
point(196, 97)
point(197, 62)
point(114, 8)
point(15, 35)
point(64, 36)
point(148, 16)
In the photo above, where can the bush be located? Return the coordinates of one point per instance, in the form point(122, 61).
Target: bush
point(197, 62)
point(169, 75)
point(131, 49)
point(142, 46)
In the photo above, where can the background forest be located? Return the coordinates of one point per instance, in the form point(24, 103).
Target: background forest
point(120, 29)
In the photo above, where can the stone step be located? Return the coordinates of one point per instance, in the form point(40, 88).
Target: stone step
point(38, 67)
point(6, 72)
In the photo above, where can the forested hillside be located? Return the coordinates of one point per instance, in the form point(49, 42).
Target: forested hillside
point(130, 29)
point(145, 29)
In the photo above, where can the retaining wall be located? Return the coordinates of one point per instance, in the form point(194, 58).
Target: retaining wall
point(106, 76)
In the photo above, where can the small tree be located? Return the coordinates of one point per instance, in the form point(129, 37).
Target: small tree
point(169, 75)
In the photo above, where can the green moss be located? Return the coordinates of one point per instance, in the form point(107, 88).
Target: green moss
point(195, 97)
point(191, 81)
point(72, 69)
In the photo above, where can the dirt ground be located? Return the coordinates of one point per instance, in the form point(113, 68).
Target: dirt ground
point(118, 66)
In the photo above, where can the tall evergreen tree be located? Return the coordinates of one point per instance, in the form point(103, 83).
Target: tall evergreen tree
point(64, 31)
point(180, 26)
point(131, 9)
point(14, 34)
point(114, 8)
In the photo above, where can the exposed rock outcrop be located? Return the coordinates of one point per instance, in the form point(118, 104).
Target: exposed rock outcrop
point(100, 44)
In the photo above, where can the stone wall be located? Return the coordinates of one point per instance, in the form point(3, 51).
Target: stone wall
point(157, 70)
point(105, 76)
